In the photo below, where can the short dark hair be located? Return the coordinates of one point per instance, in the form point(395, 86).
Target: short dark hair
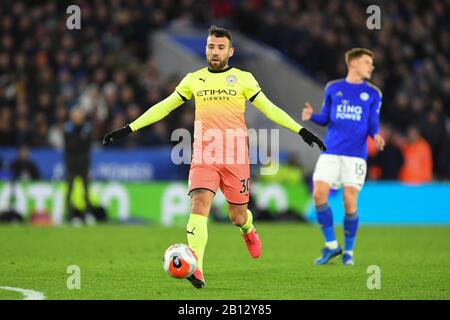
point(356, 53)
point(219, 32)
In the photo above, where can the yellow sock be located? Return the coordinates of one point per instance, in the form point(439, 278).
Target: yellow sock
point(197, 235)
point(248, 225)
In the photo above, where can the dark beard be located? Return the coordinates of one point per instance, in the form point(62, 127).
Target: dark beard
point(221, 66)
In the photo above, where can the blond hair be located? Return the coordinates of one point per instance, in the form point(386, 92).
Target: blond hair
point(356, 53)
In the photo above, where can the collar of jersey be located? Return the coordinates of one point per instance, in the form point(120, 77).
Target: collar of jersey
point(220, 71)
point(354, 84)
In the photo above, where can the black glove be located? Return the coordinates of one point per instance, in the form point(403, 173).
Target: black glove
point(310, 138)
point(116, 135)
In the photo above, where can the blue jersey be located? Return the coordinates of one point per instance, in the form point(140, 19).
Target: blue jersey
point(352, 112)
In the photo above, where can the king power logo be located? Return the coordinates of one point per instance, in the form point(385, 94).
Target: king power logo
point(348, 111)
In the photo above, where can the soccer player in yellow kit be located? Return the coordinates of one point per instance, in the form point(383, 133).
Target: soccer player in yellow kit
point(220, 92)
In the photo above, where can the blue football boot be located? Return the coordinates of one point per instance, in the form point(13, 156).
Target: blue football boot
point(327, 254)
point(347, 259)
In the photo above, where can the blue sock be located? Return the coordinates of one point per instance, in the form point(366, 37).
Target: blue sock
point(325, 219)
point(350, 228)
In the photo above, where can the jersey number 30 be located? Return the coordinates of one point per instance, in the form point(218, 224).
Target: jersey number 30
point(245, 185)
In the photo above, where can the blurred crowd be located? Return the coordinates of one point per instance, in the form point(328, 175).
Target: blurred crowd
point(106, 69)
point(412, 65)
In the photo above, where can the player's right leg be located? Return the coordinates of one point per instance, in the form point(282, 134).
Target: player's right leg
point(203, 182)
point(326, 174)
point(197, 230)
point(325, 219)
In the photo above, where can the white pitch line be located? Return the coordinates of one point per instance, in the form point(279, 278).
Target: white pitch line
point(29, 294)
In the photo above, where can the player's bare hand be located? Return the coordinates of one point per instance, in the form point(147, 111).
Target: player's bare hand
point(379, 142)
point(307, 112)
point(310, 138)
point(116, 135)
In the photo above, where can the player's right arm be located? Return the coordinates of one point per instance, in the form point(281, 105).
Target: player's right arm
point(155, 113)
point(324, 117)
point(158, 111)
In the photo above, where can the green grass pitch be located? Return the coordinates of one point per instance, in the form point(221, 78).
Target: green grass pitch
point(125, 262)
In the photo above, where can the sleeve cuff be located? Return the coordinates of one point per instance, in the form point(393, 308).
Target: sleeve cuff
point(182, 97)
point(314, 117)
point(133, 127)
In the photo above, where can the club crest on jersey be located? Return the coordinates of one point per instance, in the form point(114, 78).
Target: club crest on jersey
point(231, 79)
point(339, 94)
point(364, 96)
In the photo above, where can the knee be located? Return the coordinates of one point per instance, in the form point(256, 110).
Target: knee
point(238, 220)
point(238, 217)
point(200, 206)
point(320, 196)
point(349, 202)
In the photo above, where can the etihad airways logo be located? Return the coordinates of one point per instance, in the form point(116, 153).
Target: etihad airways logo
point(212, 92)
point(348, 111)
point(219, 94)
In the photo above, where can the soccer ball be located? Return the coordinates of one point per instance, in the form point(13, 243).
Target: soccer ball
point(179, 261)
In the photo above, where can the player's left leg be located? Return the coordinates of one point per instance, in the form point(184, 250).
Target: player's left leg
point(242, 217)
point(86, 183)
point(351, 220)
point(70, 177)
point(353, 176)
point(235, 185)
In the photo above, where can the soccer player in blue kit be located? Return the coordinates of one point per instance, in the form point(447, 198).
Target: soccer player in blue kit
point(351, 108)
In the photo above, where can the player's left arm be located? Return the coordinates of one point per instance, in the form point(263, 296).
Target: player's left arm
point(253, 93)
point(374, 122)
point(279, 116)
